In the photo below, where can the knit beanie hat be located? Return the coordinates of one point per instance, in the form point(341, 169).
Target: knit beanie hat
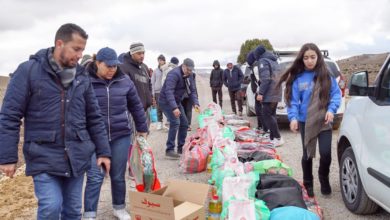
point(174, 60)
point(136, 47)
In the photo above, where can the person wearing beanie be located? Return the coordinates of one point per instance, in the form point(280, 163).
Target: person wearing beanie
point(216, 82)
point(117, 98)
point(179, 81)
point(268, 93)
point(251, 59)
point(156, 88)
point(133, 65)
point(232, 79)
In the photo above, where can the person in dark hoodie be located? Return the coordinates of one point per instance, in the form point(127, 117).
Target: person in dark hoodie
point(268, 93)
point(63, 125)
point(216, 82)
point(178, 81)
point(139, 73)
point(251, 59)
point(117, 97)
point(232, 78)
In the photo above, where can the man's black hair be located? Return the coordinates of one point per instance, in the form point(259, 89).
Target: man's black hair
point(66, 31)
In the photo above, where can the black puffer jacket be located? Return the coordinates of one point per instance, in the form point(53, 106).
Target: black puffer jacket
point(139, 75)
point(216, 77)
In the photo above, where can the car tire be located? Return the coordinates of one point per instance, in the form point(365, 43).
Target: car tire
point(354, 196)
point(249, 113)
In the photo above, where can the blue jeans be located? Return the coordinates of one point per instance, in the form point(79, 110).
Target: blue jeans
point(177, 126)
point(119, 152)
point(58, 197)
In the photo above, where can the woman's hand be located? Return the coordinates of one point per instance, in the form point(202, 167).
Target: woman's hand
point(294, 126)
point(329, 117)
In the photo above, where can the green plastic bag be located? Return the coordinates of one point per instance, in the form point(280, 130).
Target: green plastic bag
point(228, 133)
point(271, 166)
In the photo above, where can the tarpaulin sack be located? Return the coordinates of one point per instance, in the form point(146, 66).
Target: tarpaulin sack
point(235, 122)
point(276, 181)
point(255, 146)
point(245, 209)
point(280, 197)
point(249, 135)
point(311, 203)
point(254, 156)
point(142, 166)
point(232, 116)
point(194, 158)
point(292, 213)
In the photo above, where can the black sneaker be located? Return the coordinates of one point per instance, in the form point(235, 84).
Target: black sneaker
point(172, 155)
point(180, 150)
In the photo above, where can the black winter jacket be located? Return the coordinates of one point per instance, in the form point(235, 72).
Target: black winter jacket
point(139, 74)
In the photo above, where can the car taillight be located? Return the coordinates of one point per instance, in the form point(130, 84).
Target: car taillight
point(342, 85)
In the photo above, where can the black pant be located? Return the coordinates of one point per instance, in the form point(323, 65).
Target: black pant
point(159, 111)
point(259, 115)
point(325, 148)
point(187, 105)
point(269, 118)
point(235, 95)
point(214, 91)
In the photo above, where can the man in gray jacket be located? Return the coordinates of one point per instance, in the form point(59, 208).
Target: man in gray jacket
point(157, 83)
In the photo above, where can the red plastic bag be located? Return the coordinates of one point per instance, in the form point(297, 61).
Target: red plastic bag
point(194, 158)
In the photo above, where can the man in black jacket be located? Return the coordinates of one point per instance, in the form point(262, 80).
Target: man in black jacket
point(216, 82)
point(139, 73)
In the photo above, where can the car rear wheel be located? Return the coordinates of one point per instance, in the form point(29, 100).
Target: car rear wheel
point(248, 111)
point(354, 196)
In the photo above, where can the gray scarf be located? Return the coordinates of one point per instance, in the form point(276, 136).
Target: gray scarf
point(66, 75)
point(315, 122)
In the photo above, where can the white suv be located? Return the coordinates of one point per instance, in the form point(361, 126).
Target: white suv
point(285, 59)
point(364, 144)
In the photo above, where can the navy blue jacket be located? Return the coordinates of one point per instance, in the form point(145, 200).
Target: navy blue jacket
point(117, 98)
point(62, 128)
point(174, 88)
point(233, 81)
point(269, 74)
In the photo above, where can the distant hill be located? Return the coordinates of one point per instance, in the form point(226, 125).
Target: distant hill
point(370, 62)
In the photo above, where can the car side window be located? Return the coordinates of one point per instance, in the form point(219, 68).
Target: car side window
point(384, 93)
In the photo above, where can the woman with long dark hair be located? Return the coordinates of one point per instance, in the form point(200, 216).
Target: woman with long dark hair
point(313, 97)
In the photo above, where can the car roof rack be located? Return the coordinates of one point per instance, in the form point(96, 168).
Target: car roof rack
point(280, 53)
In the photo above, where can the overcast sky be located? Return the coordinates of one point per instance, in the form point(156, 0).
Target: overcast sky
point(204, 30)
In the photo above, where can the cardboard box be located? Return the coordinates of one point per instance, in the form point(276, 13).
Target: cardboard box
point(178, 200)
